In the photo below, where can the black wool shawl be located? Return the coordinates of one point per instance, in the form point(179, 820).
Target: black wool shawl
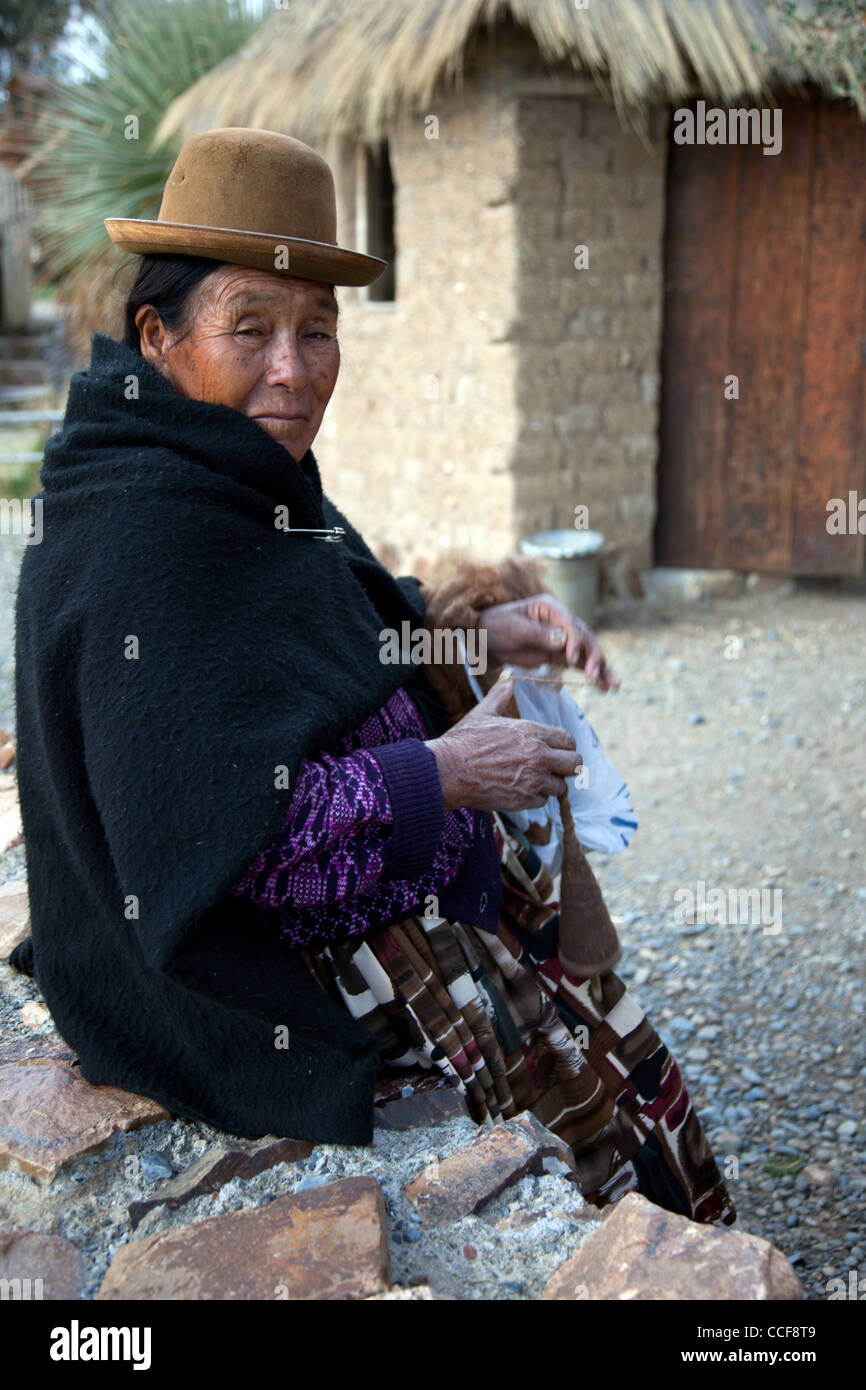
point(178, 656)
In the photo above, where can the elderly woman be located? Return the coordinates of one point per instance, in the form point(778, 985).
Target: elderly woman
point(267, 868)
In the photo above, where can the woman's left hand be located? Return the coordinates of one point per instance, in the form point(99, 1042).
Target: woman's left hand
point(540, 629)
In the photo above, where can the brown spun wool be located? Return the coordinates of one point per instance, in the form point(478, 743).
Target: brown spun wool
point(588, 941)
point(456, 599)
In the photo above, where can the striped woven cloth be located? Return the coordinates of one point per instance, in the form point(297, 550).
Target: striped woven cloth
point(509, 1029)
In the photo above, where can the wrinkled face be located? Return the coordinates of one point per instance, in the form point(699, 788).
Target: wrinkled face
point(264, 344)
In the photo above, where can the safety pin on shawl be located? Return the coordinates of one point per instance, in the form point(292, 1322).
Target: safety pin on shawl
point(320, 533)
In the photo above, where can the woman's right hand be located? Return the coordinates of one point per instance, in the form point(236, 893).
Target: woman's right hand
point(490, 762)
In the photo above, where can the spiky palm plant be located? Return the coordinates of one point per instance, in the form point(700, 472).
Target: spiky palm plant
point(95, 154)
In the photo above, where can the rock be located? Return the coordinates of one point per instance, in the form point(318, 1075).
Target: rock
point(53, 1266)
point(415, 1292)
point(681, 1025)
point(311, 1180)
point(846, 1129)
point(587, 1214)
point(492, 1161)
point(555, 1167)
point(328, 1244)
point(421, 1108)
point(218, 1167)
point(393, 1087)
point(643, 1252)
point(709, 1032)
point(33, 1014)
point(777, 584)
point(522, 1220)
point(155, 1166)
point(517, 1221)
point(684, 586)
point(49, 1114)
point(14, 917)
point(10, 816)
point(35, 1049)
point(816, 1176)
point(727, 1140)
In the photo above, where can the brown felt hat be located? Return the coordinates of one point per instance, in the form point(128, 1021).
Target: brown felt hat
point(250, 197)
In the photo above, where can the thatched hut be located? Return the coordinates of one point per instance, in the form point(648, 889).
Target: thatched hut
point(584, 312)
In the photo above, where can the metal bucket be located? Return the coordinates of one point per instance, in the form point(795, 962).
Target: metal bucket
point(572, 566)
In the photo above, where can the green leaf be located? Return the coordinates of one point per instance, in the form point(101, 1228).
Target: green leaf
point(785, 1165)
point(86, 168)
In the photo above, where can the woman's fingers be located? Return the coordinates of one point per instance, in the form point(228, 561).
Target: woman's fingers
point(557, 786)
point(551, 734)
point(497, 697)
point(550, 786)
point(557, 760)
point(582, 647)
point(491, 761)
point(584, 651)
point(607, 679)
point(541, 628)
point(563, 763)
point(535, 633)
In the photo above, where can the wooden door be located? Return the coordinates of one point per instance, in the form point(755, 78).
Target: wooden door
point(765, 280)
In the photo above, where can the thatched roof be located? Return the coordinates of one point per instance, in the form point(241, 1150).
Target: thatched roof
point(318, 68)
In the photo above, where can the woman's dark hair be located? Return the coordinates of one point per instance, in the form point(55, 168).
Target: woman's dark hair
point(166, 282)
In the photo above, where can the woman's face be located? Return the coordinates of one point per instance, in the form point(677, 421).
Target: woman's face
point(262, 343)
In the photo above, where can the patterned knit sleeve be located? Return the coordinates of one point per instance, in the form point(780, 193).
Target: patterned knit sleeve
point(372, 816)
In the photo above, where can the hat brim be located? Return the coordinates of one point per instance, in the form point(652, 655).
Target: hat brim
point(308, 260)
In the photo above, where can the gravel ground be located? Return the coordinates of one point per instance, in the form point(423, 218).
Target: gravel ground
point(746, 772)
point(11, 551)
point(739, 728)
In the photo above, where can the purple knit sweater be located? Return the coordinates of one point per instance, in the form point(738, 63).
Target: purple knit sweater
point(367, 840)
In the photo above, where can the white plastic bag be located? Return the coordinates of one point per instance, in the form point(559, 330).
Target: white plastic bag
point(604, 817)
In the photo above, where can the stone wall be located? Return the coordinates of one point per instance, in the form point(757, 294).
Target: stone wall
point(503, 387)
point(588, 339)
point(417, 441)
